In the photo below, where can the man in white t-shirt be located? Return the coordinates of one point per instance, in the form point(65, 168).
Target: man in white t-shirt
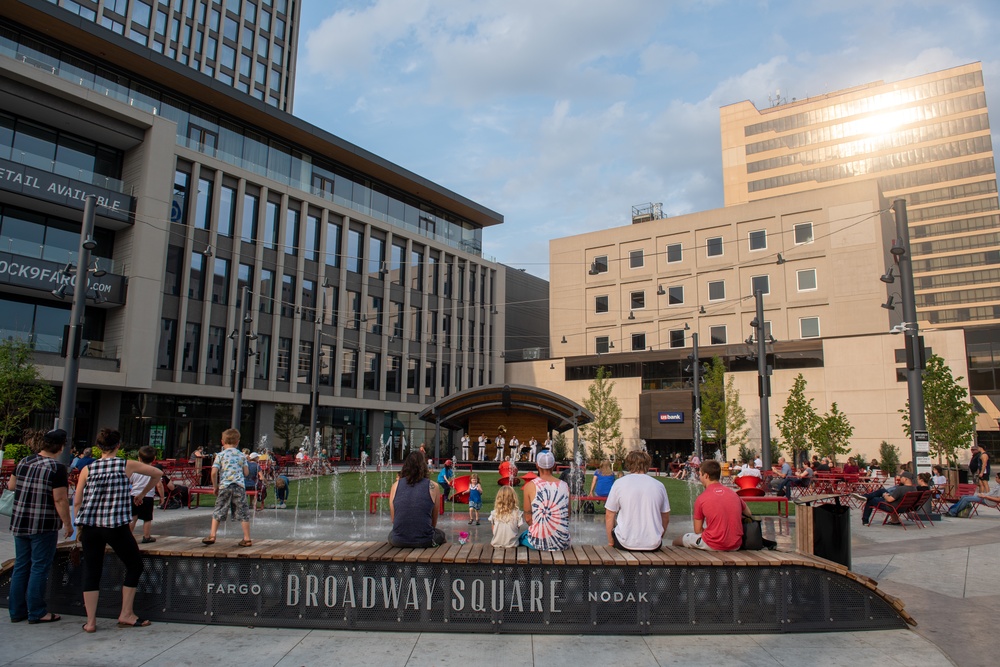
point(637, 510)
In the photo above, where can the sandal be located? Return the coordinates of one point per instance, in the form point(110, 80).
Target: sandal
point(245, 543)
point(208, 540)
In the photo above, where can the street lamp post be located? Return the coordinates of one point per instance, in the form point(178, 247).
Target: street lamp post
point(71, 373)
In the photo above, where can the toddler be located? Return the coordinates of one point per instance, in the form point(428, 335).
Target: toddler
point(475, 498)
point(506, 519)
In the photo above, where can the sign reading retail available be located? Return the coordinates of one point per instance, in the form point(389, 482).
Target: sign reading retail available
point(47, 186)
point(671, 417)
point(921, 442)
point(41, 274)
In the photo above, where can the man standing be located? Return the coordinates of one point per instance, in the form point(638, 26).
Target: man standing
point(638, 504)
point(991, 498)
point(465, 446)
point(904, 483)
point(228, 478)
point(41, 508)
point(718, 514)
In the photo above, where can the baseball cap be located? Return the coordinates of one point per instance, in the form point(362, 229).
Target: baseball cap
point(545, 460)
point(908, 475)
point(54, 436)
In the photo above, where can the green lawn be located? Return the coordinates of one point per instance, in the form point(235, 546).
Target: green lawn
point(349, 491)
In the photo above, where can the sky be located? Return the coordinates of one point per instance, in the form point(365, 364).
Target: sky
point(563, 114)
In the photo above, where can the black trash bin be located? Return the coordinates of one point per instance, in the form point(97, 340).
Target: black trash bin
point(832, 533)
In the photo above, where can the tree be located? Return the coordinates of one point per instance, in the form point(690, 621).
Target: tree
point(22, 390)
point(605, 430)
point(798, 420)
point(833, 434)
point(288, 425)
point(951, 417)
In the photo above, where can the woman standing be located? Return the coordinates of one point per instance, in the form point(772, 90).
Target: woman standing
point(103, 512)
point(413, 503)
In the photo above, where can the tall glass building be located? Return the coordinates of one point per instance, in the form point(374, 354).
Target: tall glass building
point(925, 139)
point(249, 45)
point(366, 281)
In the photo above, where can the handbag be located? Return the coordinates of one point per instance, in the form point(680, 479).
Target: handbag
point(753, 535)
point(7, 503)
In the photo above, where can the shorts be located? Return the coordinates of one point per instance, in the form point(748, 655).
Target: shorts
point(232, 498)
point(694, 541)
point(143, 511)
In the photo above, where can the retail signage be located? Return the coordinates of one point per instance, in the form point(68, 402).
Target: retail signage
point(31, 182)
point(41, 274)
point(671, 417)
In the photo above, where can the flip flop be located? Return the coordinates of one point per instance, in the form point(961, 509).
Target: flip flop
point(89, 632)
point(208, 540)
point(51, 619)
point(245, 543)
point(139, 623)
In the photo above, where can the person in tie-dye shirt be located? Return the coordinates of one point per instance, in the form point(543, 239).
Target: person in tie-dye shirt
point(546, 508)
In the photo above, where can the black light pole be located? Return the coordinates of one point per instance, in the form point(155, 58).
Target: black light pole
point(71, 373)
point(242, 344)
point(763, 380)
point(914, 343)
point(696, 369)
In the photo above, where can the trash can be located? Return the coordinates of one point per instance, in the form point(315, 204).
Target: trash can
point(832, 533)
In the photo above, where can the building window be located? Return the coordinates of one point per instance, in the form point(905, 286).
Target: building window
point(803, 233)
point(601, 304)
point(713, 246)
point(717, 334)
point(758, 240)
point(761, 284)
point(638, 342)
point(806, 279)
point(809, 327)
point(600, 265)
point(676, 337)
point(635, 259)
point(675, 253)
point(602, 344)
point(192, 336)
point(168, 343)
point(349, 370)
point(637, 300)
point(675, 295)
point(717, 290)
point(220, 282)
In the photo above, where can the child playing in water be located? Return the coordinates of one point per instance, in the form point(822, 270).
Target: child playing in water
point(475, 498)
point(506, 518)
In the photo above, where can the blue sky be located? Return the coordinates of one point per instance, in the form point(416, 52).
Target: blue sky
point(563, 114)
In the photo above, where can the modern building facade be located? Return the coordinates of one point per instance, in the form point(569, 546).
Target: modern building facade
point(250, 45)
point(355, 267)
point(926, 139)
point(632, 298)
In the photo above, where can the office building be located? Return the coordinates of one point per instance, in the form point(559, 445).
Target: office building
point(355, 266)
point(926, 139)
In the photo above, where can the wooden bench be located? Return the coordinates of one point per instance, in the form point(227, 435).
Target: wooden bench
point(373, 499)
point(780, 500)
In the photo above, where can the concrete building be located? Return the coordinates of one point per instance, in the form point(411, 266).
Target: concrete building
point(926, 139)
point(354, 264)
point(249, 45)
point(630, 298)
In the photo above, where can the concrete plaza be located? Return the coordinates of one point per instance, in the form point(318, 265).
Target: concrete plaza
point(940, 573)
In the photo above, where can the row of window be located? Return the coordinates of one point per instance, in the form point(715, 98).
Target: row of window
point(717, 334)
point(714, 247)
point(346, 375)
point(248, 148)
point(874, 165)
point(873, 103)
point(805, 281)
